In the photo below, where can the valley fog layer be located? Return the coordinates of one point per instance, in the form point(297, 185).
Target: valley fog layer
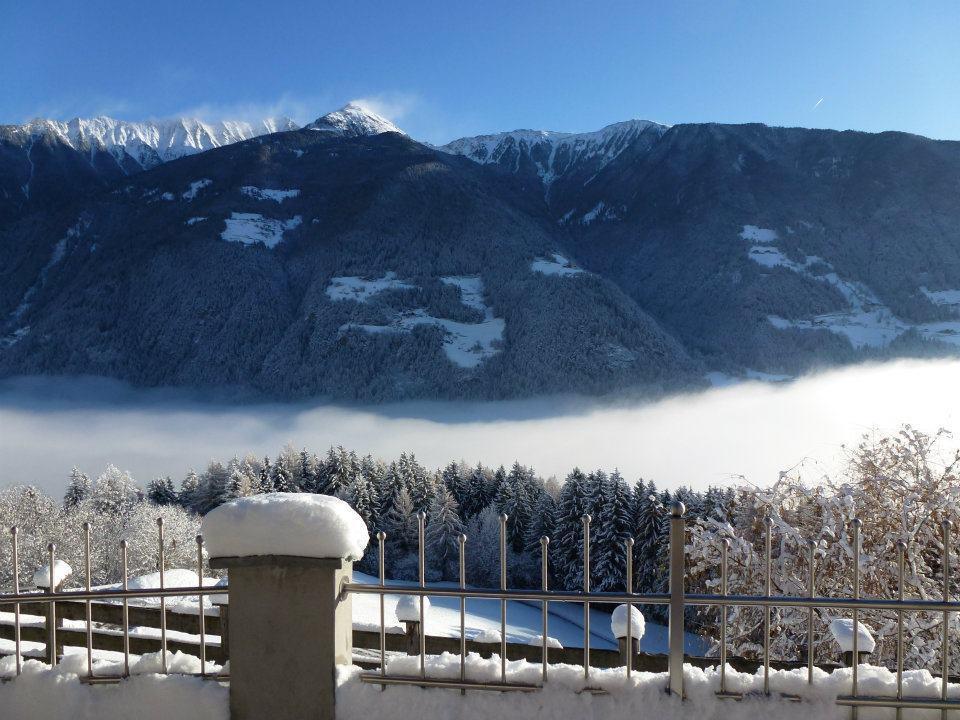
point(750, 431)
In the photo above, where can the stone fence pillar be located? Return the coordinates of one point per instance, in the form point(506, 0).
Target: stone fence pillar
point(290, 625)
point(289, 628)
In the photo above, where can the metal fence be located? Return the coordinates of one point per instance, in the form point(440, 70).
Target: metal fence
point(93, 598)
point(677, 602)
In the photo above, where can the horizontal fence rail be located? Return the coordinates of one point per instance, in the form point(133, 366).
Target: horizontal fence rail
point(88, 604)
point(677, 601)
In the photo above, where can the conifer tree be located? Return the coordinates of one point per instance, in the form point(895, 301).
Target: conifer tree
point(567, 548)
point(443, 530)
point(160, 491)
point(78, 489)
point(614, 526)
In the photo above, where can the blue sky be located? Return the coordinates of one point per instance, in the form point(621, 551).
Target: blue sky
point(443, 69)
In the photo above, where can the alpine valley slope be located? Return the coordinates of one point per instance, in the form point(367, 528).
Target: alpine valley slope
point(332, 261)
point(346, 260)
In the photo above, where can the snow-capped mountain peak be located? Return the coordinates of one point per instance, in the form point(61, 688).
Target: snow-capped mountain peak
point(554, 153)
point(151, 142)
point(353, 120)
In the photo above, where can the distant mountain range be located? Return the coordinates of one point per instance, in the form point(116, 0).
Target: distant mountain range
point(346, 260)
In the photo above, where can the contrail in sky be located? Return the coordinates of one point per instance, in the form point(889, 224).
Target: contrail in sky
point(818, 103)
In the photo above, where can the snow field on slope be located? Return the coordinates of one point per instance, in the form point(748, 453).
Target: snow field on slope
point(361, 290)
point(195, 187)
point(567, 695)
point(465, 344)
point(559, 265)
point(253, 228)
point(278, 196)
point(867, 322)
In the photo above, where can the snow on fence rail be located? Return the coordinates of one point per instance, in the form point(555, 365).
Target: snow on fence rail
point(428, 662)
point(677, 602)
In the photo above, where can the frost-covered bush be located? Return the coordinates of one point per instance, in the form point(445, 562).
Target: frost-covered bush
point(902, 488)
point(115, 509)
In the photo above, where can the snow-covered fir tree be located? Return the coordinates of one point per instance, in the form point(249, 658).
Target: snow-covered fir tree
point(613, 525)
point(160, 491)
point(443, 530)
point(79, 488)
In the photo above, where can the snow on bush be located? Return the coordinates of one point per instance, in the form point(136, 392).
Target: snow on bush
point(842, 631)
point(58, 694)
point(301, 524)
point(61, 571)
point(408, 608)
point(641, 696)
point(903, 488)
point(618, 622)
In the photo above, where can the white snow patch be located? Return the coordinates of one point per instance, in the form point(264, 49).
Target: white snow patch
point(842, 631)
point(759, 234)
point(300, 524)
point(465, 344)
point(195, 187)
point(253, 228)
point(408, 608)
point(950, 298)
point(766, 376)
point(488, 635)
point(194, 220)
point(568, 695)
point(618, 622)
point(171, 578)
point(537, 641)
point(167, 196)
point(298, 153)
point(558, 266)
point(599, 211)
point(361, 290)
point(277, 196)
point(61, 571)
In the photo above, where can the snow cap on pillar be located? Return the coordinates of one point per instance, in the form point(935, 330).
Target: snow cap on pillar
point(298, 524)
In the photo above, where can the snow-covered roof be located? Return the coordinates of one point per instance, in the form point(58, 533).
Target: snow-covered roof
point(300, 524)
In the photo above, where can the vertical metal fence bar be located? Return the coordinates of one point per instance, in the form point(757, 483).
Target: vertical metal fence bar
point(421, 562)
point(724, 556)
point(856, 525)
point(89, 606)
point(381, 537)
point(628, 548)
point(202, 619)
point(503, 603)
point(544, 585)
point(126, 611)
point(16, 607)
point(675, 630)
point(901, 560)
point(811, 584)
point(945, 649)
point(586, 605)
point(462, 547)
point(768, 565)
point(163, 599)
point(52, 615)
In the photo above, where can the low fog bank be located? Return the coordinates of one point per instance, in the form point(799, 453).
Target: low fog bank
point(750, 431)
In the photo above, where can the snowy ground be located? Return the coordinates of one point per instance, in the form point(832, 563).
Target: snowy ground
point(252, 228)
point(867, 322)
point(195, 187)
point(465, 344)
point(609, 695)
point(277, 196)
point(524, 621)
point(360, 289)
point(559, 265)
